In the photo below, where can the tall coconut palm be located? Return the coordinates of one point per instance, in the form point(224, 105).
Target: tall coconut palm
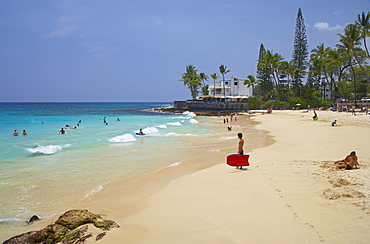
point(271, 61)
point(334, 61)
point(203, 77)
point(320, 53)
point(250, 81)
point(214, 76)
point(350, 40)
point(191, 80)
point(363, 22)
point(223, 70)
point(290, 70)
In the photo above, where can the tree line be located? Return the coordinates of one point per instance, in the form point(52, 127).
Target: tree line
point(317, 78)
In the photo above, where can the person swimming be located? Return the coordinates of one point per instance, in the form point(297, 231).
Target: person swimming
point(141, 132)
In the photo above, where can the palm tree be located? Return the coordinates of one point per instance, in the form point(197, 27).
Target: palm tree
point(350, 40)
point(321, 53)
point(203, 77)
point(363, 22)
point(271, 61)
point(214, 76)
point(333, 63)
point(250, 81)
point(223, 71)
point(191, 80)
point(290, 70)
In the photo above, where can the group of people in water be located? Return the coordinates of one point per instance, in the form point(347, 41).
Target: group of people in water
point(62, 131)
point(15, 133)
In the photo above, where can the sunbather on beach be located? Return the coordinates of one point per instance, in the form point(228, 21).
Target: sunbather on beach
point(349, 162)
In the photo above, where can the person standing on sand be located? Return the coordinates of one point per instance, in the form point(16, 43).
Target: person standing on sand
point(349, 162)
point(240, 147)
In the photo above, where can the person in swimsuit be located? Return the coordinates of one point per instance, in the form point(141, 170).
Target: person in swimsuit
point(348, 163)
point(240, 147)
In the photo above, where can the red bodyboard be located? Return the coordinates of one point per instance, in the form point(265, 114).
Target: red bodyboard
point(237, 160)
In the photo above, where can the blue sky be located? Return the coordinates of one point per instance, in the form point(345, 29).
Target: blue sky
point(136, 51)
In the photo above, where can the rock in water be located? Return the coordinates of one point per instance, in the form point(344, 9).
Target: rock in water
point(33, 218)
point(66, 229)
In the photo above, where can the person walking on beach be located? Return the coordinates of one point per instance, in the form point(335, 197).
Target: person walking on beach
point(349, 162)
point(240, 147)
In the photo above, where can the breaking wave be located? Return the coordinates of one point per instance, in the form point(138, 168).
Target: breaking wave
point(48, 149)
point(123, 138)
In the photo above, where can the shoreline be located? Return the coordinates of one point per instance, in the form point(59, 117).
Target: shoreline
point(289, 193)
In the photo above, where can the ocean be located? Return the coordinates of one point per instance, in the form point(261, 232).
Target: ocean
point(45, 172)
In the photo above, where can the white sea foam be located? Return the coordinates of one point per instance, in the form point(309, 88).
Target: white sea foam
point(123, 138)
point(48, 149)
point(162, 126)
point(189, 114)
point(176, 134)
point(151, 131)
point(227, 138)
point(175, 123)
point(193, 121)
point(174, 164)
point(93, 191)
point(3, 220)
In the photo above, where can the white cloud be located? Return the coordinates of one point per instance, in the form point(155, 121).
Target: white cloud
point(323, 26)
point(95, 48)
point(66, 25)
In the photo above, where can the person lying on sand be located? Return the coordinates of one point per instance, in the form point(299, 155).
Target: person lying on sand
point(349, 162)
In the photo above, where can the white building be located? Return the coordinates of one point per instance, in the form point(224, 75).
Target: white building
point(232, 88)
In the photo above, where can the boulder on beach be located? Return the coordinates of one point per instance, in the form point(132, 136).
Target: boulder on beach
point(71, 227)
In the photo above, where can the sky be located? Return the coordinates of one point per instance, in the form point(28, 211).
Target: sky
point(136, 51)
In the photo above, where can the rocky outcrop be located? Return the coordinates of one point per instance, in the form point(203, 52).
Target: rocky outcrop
point(71, 227)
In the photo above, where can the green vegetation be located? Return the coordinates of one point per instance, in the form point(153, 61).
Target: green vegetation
point(315, 78)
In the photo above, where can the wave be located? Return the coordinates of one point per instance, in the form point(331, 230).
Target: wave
point(227, 138)
point(151, 131)
point(193, 121)
point(189, 114)
point(174, 164)
point(175, 123)
point(93, 191)
point(48, 149)
point(4, 220)
point(175, 134)
point(122, 138)
point(162, 126)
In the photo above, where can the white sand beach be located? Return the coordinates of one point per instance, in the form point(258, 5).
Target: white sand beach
point(291, 193)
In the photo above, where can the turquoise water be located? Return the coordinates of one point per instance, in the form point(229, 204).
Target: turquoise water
point(44, 171)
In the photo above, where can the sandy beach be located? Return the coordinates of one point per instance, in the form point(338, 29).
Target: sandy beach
point(291, 193)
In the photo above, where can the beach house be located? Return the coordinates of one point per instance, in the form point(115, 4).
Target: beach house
point(232, 88)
